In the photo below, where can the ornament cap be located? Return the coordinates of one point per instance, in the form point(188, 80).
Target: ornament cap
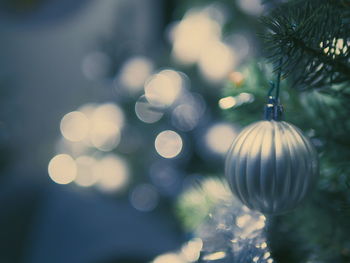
point(273, 110)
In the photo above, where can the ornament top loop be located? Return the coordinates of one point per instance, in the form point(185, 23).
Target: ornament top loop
point(273, 110)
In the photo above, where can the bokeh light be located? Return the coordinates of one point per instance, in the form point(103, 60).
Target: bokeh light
point(85, 175)
point(168, 144)
point(249, 224)
point(147, 112)
point(190, 35)
point(235, 101)
point(189, 112)
point(96, 65)
point(74, 126)
point(106, 123)
point(227, 102)
point(144, 197)
point(112, 173)
point(191, 250)
point(216, 61)
point(219, 137)
point(251, 7)
point(134, 73)
point(169, 258)
point(205, 46)
point(109, 112)
point(215, 256)
point(163, 88)
point(165, 177)
point(104, 135)
point(236, 77)
point(62, 169)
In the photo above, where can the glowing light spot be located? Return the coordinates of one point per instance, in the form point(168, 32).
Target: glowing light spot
point(242, 43)
point(169, 258)
point(144, 197)
point(267, 255)
point(106, 123)
point(234, 240)
point(62, 169)
point(135, 72)
point(187, 46)
point(146, 112)
point(245, 97)
point(105, 135)
point(263, 245)
point(85, 176)
point(96, 65)
point(227, 102)
point(241, 221)
point(163, 89)
point(168, 144)
point(216, 61)
point(112, 173)
point(252, 7)
point(237, 78)
point(109, 112)
point(270, 260)
point(191, 250)
point(185, 117)
point(165, 177)
point(219, 137)
point(215, 256)
point(74, 126)
point(255, 259)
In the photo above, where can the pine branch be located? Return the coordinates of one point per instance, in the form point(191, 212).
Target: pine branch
point(312, 38)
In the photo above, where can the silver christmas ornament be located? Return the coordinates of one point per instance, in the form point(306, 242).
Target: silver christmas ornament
point(271, 166)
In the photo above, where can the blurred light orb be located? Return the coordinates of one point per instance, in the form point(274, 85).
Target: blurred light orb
point(191, 250)
point(146, 112)
point(219, 137)
point(242, 43)
point(190, 35)
point(74, 126)
point(216, 61)
point(163, 88)
point(215, 256)
point(104, 135)
point(185, 117)
point(165, 177)
point(169, 258)
point(62, 169)
point(227, 102)
point(237, 78)
point(112, 173)
point(88, 109)
point(144, 197)
point(109, 112)
point(107, 121)
point(96, 65)
point(168, 144)
point(134, 73)
point(245, 97)
point(251, 7)
point(85, 175)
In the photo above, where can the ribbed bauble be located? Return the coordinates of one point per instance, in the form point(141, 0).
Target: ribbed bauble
point(271, 166)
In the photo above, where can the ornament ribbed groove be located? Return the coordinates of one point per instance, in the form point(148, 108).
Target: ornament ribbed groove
point(271, 166)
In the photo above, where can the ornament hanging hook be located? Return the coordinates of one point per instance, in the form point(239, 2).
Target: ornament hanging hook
point(276, 84)
point(278, 79)
point(273, 109)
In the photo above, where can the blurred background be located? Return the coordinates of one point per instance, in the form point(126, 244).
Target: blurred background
point(111, 110)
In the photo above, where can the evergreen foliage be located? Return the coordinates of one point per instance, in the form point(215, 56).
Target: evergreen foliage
point(311, 39)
